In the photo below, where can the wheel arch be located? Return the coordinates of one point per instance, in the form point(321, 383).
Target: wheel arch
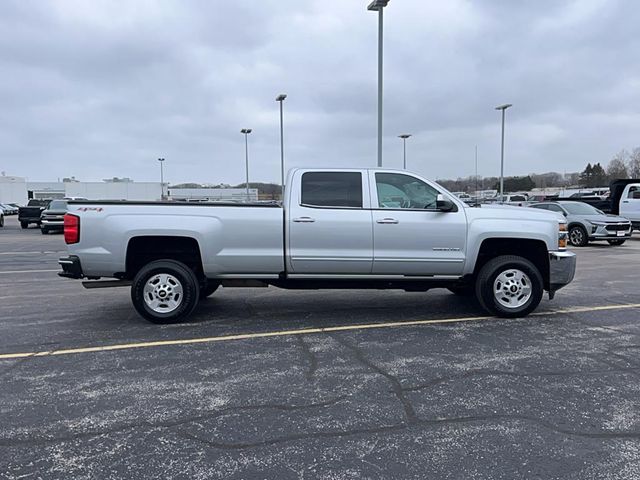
point(144, 249)
point(533, 250)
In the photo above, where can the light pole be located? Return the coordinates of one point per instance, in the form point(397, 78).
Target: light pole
point(161, 160)
point(503, 108)
point(404, 137)
point(246, 132)
point(476, 171)
point(378, 6)
point(280, 98)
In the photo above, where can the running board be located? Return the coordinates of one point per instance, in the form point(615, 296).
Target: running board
point(106, 283)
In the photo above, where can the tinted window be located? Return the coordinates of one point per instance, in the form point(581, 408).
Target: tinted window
point(332, 189)
point(579, 208)
point(58, 205)
point(633, 192)
point(396, 190)
point(518, 198)
point(556, 208)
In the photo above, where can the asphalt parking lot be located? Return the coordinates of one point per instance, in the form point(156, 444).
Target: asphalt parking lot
point(260, 385)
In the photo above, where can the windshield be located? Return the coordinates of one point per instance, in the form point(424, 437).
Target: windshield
point(58, 205)
point(579, 208)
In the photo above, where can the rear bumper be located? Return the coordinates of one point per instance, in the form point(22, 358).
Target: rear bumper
point(52, 223)
point(71, 267)
point(562, 268)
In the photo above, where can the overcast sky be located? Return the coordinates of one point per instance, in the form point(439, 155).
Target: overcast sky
point(98, 89)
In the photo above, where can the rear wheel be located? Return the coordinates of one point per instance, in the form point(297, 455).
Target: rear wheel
point(617, 241)
point(1, 220)
point(578, 236)
point(44, 230)
point(165, 291)
point(509, 286)
point(24, 224)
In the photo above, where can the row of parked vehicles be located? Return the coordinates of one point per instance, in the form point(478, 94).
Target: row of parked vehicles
point(47, 214)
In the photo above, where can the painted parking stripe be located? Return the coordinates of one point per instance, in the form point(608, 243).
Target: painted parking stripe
point(303, 331)
point(6, 272)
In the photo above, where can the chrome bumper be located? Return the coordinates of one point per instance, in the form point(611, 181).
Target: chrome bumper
point(562, 268)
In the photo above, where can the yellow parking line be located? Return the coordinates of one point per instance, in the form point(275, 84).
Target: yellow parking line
point(284, 333)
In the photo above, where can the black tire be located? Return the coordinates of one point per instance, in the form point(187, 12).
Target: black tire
point(24, 224)
point(1, 220)
point(462, 290)
point(208, 289)
point(617, 242)
point(44, 231)
point(492, 269)
point(578, 236)
point(187, 301)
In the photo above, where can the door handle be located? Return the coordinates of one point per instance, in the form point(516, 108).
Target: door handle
point(304, 220)
point(625, 201)
point(386, 220)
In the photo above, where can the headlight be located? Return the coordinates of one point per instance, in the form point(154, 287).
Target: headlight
point(562, 236)
point(598, 224)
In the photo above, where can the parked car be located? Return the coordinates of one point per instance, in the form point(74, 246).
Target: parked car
point(52, 219)
point(514, 199)
point(32, 212)
point(8, 209)
point(338, 228)
point(587, 223)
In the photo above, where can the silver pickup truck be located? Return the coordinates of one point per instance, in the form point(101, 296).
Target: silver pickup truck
point(337, 228)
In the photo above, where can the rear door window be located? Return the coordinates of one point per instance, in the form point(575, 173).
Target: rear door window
point(332, 189)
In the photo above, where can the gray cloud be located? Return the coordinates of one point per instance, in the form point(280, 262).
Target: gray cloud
point(97, 89)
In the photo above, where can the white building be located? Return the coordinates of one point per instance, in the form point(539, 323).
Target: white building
point(13, 190)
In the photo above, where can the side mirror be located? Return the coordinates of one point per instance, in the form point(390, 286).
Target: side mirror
point(443, 204)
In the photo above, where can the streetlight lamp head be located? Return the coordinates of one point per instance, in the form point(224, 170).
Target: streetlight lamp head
point(377, 5)
point(245, 131)
point(404, 135)
point(504, 107)
point(281, 97)
point(161, 159)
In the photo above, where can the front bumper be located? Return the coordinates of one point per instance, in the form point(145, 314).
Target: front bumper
point(562, 268)
point(71, 267)
point(617, 231)
point(52, 223)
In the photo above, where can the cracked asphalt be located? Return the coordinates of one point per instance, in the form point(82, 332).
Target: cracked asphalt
point(554, 396)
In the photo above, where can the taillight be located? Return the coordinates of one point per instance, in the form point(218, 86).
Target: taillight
point(71, 228)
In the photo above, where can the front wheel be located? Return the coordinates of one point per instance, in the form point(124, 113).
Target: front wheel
point(44, 231)
point(617, 242)
point(509, 286)
point(165, 291)
point(578, 236)
point(1, 220)
point(24, 224)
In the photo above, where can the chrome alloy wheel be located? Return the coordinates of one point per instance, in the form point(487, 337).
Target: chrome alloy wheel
point(163, 293)
point(512, 288)
point(576, 236)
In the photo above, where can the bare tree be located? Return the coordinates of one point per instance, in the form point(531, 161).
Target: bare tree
point(617, 167)
point(633, 164)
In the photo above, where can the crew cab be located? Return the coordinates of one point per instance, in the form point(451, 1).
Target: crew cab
point(337, 228)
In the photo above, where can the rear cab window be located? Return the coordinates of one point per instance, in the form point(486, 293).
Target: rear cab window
point(332, 189)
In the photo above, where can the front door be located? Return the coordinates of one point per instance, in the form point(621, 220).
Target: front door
point(329, 224)
point(412, 237)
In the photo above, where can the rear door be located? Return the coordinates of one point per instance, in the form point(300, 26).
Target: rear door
point(630, 203)
point(412, 237)
point(329, 223)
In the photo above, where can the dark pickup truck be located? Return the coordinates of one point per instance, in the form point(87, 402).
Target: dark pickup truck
point(32, 212)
